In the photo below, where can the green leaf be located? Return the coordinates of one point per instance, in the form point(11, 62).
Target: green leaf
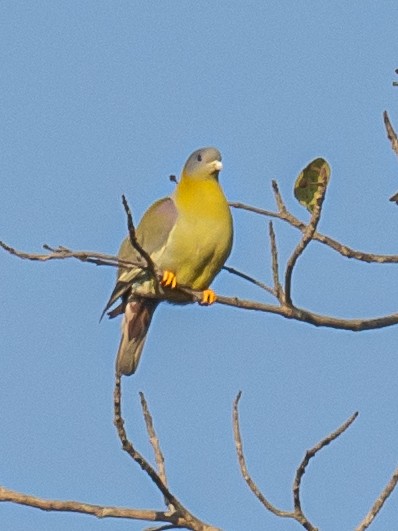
point(307, 183)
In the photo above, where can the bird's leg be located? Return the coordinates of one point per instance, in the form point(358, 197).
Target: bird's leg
point(169, 279)
point(208, 297)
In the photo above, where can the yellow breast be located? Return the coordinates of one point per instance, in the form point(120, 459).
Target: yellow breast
point(201, 239)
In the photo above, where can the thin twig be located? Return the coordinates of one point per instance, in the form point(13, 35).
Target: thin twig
point(308, 235)
point(134, 242)
point(278, 198)
point(180, 514)
point(340, 248)
point(298, 513)
point(129, 448)
point(243, 468)
point(391, 134)
point(61, 253)
point(275, 267)
point(100, 511)
point(250, 279)
point(288, 312)
point(310, 454)
point(374, 511)
point(159, 457)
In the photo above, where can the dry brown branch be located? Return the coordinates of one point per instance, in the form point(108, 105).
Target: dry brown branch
point(308, 235)
point(61, 253)
point(300, 314)
point(391, 134)
point(284, 215)
point(275, 267)
point(311, 453)
point(250, 279)
point(242, 463)
point(153, 439)
point(298, 513)
point(295, 515)
point(180, 516)
point(129, 448)
point(134, 242)
point(100, 511)
point(289, 312)
point(374, 511)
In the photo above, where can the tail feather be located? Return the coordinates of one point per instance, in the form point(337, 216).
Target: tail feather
point(137, 318)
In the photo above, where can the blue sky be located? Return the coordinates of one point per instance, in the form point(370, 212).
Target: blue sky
point(103, 98)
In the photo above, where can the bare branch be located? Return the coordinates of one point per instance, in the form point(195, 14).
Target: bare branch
point(61, 253)
point(250, 279)
point(300, 314)
point(341, 248)
point(100, 511)
point(275, 267)
point(297, 515)
point(289, 312)
point(243, 468)
point(180, 515)
point(308, 235)
point(391, 134)
point(278, 198)
point(128, 447)
point(153, 439)
point(310, 454)
point(134, 242)
point(374, 511)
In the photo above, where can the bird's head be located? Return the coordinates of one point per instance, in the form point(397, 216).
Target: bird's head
point(204, 163)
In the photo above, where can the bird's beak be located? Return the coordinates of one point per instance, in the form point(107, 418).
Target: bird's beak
point(217, 165)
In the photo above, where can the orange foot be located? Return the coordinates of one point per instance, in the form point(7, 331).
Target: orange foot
point(169, 279)
point(208, 297)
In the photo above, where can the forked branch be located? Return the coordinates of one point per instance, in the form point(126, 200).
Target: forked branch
point(177, 516)
point(297, 514)
point(289, 312)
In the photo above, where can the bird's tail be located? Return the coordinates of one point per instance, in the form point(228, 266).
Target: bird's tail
point(137, 318)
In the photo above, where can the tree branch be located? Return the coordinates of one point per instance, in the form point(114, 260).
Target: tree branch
point(298, 513)
point(243, 467)
point(289, 312)
point(134, 242)
point(391, 134)
point(284, 215)
point(250, 279)
point(180, 515)
point(100, 511)
point(278, 290)
point(310, 454)
point(374, 511)
point(153, 439)
point(308, 235)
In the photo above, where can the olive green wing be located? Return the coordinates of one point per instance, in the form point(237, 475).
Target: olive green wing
point(152, 234)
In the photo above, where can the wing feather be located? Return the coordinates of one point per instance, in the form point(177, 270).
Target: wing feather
point(152, 234)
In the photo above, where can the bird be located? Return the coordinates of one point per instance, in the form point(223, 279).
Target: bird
point(188, 236)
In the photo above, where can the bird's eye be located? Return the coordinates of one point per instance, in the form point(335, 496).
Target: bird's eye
point(199, 158)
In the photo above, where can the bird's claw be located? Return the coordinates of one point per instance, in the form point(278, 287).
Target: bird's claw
point(208, 297)
point(169, 279)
